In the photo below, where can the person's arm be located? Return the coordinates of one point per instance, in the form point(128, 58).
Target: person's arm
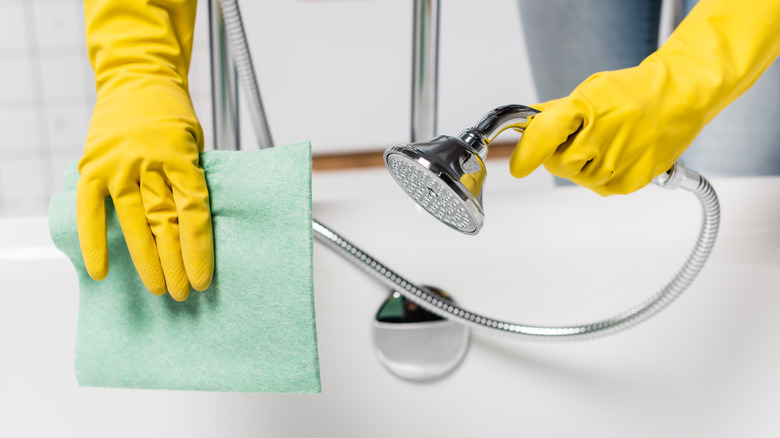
point(143, 145)
point(619, 129)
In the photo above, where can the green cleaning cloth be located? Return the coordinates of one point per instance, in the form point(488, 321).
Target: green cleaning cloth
point(253, 330)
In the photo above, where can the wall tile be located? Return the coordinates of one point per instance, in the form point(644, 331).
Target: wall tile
point(22, 179)
point(13, 34)
point(18, 129)
point(59, 25)
point(16, 82)
point(63, 77)
point(67, 126)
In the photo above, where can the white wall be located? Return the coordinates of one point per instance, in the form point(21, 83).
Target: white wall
point(335, 72)
point(339, 72)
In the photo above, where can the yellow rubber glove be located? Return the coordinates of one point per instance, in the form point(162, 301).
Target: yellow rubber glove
point(143, 144)
point(619, 129)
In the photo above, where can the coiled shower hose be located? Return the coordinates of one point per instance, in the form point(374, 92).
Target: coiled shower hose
point(447, 309)
point(681, 177)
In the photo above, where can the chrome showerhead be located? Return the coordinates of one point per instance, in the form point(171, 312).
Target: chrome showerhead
point(446, 175)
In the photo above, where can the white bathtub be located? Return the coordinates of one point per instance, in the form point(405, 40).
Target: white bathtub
point(706, 366)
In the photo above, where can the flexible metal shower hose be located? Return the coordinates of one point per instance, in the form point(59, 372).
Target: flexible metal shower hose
point(447, 309)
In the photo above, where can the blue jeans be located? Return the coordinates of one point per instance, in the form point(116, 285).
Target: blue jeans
point(568, 40)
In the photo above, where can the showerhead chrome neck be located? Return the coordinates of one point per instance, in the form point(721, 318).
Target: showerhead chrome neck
point(495, 122)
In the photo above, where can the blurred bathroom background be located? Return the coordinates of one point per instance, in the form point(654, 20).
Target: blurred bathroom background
point(333, 72)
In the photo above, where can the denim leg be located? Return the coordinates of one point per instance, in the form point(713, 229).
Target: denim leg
point(744, 139)
point(568, 40)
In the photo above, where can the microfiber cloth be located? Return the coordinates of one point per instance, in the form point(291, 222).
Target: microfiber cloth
point(253, 330)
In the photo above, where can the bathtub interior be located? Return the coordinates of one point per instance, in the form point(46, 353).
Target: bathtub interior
point(705, 365)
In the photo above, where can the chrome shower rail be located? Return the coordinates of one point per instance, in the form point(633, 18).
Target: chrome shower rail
point(425, 69)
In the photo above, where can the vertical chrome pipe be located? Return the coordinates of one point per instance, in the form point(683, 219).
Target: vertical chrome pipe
point(224, 85)
point(672, 13)
point(246, 71)
point(425, 66)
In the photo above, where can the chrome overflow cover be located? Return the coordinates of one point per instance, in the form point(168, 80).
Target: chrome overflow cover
point(415, 344)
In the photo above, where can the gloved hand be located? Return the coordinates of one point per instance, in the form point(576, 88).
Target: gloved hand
point(619, 129)
point(142, 146)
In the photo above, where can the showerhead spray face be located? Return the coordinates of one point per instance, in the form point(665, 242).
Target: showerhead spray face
point(446, 175)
